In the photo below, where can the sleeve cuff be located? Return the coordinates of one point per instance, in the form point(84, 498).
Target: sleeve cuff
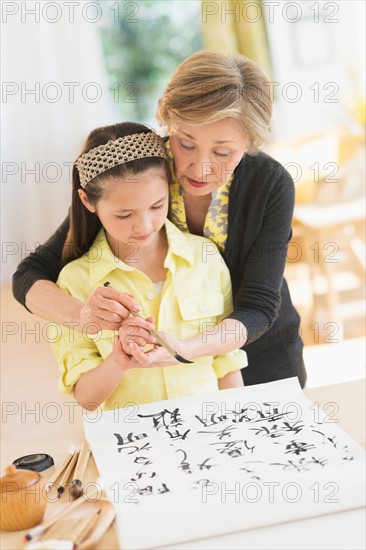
point(232, 361)
point(72, 371)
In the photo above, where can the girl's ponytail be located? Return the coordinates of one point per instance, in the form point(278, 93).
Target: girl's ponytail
point(84, 225)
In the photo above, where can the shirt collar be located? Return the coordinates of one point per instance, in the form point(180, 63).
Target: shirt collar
point(178, 243)
point(102, 260)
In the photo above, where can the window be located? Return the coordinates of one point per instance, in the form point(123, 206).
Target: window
point(143, 44)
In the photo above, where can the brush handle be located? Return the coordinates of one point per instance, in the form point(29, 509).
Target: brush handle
point(87, 528)
point(157, 336)
point(66, 476)
point(57, 473)
point(43, 526)
point(82, 462)
point(163, 342)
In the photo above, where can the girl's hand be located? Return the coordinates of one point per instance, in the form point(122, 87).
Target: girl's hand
point(118, 356)
point(137, 358)
point(136, 329)
point(106, 309)
point(158, 356)
point(231, 380)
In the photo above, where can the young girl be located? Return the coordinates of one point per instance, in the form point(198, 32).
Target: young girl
point(120, 198)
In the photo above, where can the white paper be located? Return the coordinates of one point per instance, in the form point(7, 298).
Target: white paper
point(223, 462)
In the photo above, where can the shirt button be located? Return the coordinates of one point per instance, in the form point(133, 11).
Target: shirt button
point(150, 296)
point(174, 381)
point(203, 309)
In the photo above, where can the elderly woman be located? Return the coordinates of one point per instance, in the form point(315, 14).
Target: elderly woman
point(217, 111)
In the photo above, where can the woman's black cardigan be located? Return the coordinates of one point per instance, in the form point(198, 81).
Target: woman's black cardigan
point(261, 203)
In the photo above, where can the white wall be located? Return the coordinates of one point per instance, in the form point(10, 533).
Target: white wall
point(316, 49)
point(44, 131)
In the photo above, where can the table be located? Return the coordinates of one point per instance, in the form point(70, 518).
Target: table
point(345, 403)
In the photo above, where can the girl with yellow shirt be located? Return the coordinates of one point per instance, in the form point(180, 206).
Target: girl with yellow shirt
point(120, 200)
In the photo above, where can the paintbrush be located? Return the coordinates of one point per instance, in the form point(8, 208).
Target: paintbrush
point(87, 528)
point(57, 473)
point(41, 528)
point(77, 484)
point(159, 338)
point(66, 475)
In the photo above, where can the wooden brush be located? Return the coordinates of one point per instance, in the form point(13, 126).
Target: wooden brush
point(81, 536)
point(77, 485)
point(67, 474)
point(57, 530)
point(41, 528)
point(159, 338)
point(58, 472)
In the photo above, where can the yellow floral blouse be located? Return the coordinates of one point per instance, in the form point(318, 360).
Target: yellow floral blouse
point(215, 226)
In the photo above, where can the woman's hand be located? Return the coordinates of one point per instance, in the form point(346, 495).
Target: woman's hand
point(130, 354)
point(106, 309)
point(158, 356)
point(134, 335)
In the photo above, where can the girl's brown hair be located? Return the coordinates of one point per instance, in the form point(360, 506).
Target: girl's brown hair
point(85, 225)
point(209, 86)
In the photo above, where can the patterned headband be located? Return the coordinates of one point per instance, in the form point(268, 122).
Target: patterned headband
point(113, 153)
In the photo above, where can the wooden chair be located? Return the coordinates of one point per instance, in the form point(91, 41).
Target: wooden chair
point(330, 231)
point(329, 226)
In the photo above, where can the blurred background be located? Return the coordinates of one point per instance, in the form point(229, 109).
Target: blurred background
point(68, 67)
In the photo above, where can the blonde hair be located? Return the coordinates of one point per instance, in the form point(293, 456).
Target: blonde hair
point(209, 86)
